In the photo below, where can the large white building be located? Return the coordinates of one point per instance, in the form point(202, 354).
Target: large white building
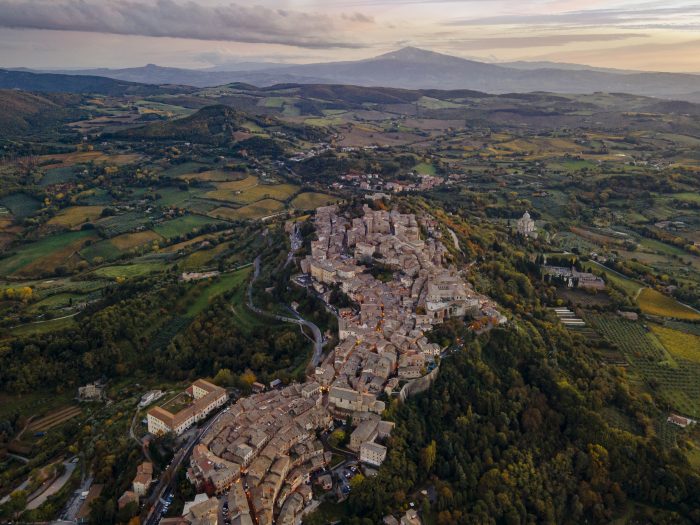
point(526, 226)
point(207, 397)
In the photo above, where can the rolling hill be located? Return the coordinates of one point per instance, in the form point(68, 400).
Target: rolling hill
point(217, 124)
point(26, 113)
point(84, 84)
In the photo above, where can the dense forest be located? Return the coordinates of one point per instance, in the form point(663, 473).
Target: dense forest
point(511, 432)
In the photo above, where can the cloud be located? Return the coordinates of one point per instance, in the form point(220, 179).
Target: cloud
point(518, 42)
point(359, 17)
point(649, 16)
point(168, 18)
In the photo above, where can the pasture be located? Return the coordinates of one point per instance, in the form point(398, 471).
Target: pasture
point(213, 176)
point(280, 192)
point(172, 196)
point(218, 286)
point(228, 191)
point(104, 249)
point(256, 210)
point(114, 248)
point(629, 286)
point(75, 216)
point(128, 241)
point(182, 225)
point(200, 258)
point(45, 255)
point(425, 169)
point(83, 157)
point(58, 175)
point(20, 204)
point(312, 200)
point(185, 244)
point(44, 327)
point(59, 300)
point(128, 271)
point(653, 302)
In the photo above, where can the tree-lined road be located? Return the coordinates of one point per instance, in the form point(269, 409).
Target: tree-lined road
point(315, 330)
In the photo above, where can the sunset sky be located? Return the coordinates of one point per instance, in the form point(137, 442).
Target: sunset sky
point(654, 35)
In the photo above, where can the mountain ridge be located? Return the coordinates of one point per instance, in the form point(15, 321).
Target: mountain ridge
point(414, 68)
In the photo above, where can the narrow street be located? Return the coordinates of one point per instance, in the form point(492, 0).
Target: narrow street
point(167, 478)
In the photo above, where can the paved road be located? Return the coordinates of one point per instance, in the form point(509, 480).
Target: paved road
point(297, 319)
point(54, 487)
point(70, 511)
point(168, 478)
point(18, 458)
point(21, 486)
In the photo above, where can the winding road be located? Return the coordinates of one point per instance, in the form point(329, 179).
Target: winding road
point(315, 330)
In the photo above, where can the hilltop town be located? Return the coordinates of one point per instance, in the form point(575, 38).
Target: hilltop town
point(261, 454)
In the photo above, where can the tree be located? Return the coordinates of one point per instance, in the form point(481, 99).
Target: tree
point(428, 455)
point(224, 377)
point(248, 377)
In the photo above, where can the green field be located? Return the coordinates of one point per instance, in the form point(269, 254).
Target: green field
point(256, 210)
point(278, 192)
point(629, 286)
point(184, 168)
point(20, 204)
point(104, 249)
point(111, 249)
point(655, 303)
point(44, 327)
point(425, 169)
point(129, 270)
point(59, 175)
point(312, 200)
point(182, 225)
point(33, 404)
point(212, 176)
point(58, 300)
point(218, 286)
point(200, 258)
point(176, 197)
point(45, 254)
point(75, 216)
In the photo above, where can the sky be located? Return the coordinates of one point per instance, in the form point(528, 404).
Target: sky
point(624, 34)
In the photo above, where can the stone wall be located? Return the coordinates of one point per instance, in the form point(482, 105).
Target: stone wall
point(418, 386)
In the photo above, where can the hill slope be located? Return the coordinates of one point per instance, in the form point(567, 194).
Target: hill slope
point(85, 84)
point(23, 113)
point(215, 124)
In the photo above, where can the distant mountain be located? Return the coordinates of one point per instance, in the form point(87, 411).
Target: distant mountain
point(419, 69)
point(564, 66)
point(413, 68)
point(84, 84)
point(264, 74)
